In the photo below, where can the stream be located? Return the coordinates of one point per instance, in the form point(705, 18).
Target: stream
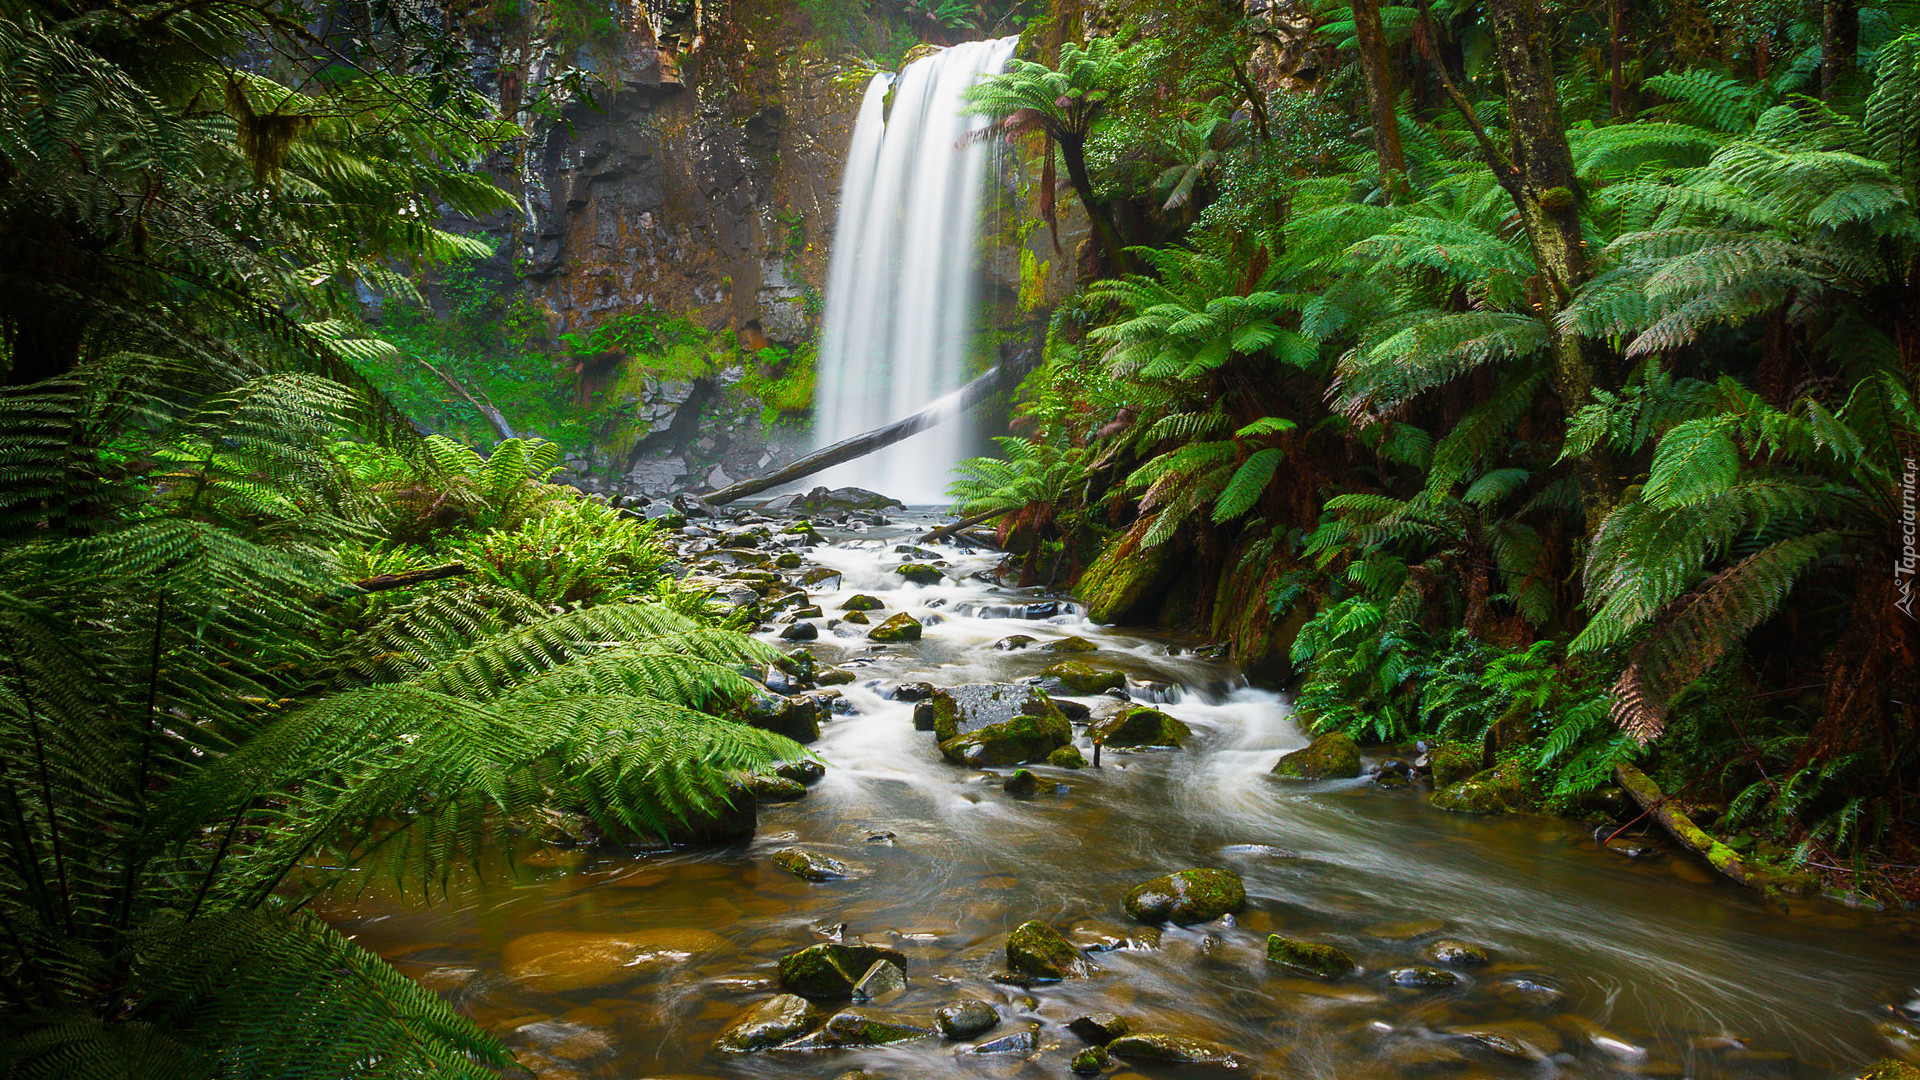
point(1601, 965)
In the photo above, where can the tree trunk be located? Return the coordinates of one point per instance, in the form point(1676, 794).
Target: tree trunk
point(861, 445)
point(1381, 110)
point(1545, 189)
point(1619, 92)
point(1839, 43)
point(1073, 152)
point(494, 417)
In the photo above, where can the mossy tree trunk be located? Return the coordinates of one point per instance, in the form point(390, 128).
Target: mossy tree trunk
point(1382, 113)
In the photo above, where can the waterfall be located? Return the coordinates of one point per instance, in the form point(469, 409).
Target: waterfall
point(901, 282)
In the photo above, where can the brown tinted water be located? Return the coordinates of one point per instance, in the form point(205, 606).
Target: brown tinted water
point(1600, 966)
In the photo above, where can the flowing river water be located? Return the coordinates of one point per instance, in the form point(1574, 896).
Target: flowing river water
point(1600, 966)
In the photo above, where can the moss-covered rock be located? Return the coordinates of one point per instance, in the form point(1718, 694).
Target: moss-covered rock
point(1099, 1028)
point(1172, 1049)
point(920, 573)
point(831, 970)
point(900, 627)
point(834, 676)
point(773, 1021)
point(863, 1027)
point(1452, 763)
point(1022, 783)
point(1076, 677)
point(1038, 951)
point(1126, 585)
point(1333, 756)
point(1067, 757)
point(857, 618)
point(1188, 896)
point(1140, 726)
point(820, 575)
point(1092, 1060)
point(795, 716)
point(1890, 1069)
point(1014, 742)
point(1422, 977)
point(965, 1018)
point(861, 602)
point(809, 865)
point(1507, 788)
point(1311, 957)
point(1073, 644)
point(774, 789)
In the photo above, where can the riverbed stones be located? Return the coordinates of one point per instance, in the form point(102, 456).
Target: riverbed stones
point(819, 576)
point(1078, 677)
point(1024, 1041)
point(1038, 951)
point(558, 961)
point(1312, 957)
point(1099, 1028)
point(1528, 994)
point(809, 865)
point(830, 970)
point(856, 618)
point(863, 1027)
point(965, 1018)
point(1022, 784)
point(920, 573)
point(1172, 1049)
point(1091, 1061)
point(800, 631)
point(1333, 756)
point(770, 1023)
point(1187, 896)
point(899, 627)
point(1422, 977)
point(793, 715)
point(1139, 726)
point(1070, 645)
point(805, 770)
point(1013, 642)
point(1067, 757)
point(882, 983)
point(861, 602)
point(775, 789)
point(1455, 952)
point(1504, 789)
point(834, 676)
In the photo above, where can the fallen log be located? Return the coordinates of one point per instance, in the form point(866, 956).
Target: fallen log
point(861, 445)
point(945, 531)
point(1678, 825)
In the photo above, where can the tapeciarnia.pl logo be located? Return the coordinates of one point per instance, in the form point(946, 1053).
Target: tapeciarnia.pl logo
point(1904, 566)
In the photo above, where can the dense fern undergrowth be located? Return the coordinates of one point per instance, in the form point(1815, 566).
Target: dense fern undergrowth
point(257, 634)
point(1535, 378)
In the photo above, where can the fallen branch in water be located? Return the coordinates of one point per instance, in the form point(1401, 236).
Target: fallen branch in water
point(1672, 818)
point(861, 445)
point(945, 531)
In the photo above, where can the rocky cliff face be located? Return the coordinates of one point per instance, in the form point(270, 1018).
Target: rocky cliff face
point(698, 178)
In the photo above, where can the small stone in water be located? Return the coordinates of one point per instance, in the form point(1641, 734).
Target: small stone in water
point(1528, 994)
point(1314, 958)
point(857, 618)
point(1098, 1028)
point(965, 1019)
point(883, 982)
point(800, 631)
point(911, 691)
point(879, 838)
point(1090, 1061)
point(1012, 642)
point(809, 865)
point(861, 602)
point(1022, 783)
point(1071, 644)
point(1025, 1041)
point(1421, 977)
point(1455, 951)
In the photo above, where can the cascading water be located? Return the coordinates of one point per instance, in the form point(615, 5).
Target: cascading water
point(901, 284)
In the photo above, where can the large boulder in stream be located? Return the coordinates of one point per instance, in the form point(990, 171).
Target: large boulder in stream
point(796, 716)
point(990, 724)
point(1139, 726)
point(831, 970)
point(558, 961)
point(1333, 756)
point(1188, 896)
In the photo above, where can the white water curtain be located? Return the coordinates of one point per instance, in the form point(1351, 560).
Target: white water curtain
point(900, 316)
